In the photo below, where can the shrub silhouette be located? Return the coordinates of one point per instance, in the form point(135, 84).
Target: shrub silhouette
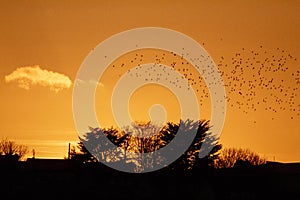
point(237, 157)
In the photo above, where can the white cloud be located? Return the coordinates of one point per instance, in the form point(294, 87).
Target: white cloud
point(34, 75)
point(89, 82)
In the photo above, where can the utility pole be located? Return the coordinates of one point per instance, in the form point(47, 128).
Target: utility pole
point(69, 149)
point(33, 153)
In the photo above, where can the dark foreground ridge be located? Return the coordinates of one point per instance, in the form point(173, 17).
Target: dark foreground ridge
point(58, 179)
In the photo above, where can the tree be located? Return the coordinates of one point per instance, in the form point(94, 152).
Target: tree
point(235, 157)
point(9, 149)
point(203, 139)
point(83, 155)
point(130, 142)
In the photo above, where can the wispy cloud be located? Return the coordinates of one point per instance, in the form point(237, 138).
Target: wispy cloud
point(89, 82)
point(35, 75)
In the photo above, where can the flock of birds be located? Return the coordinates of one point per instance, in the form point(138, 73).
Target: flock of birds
point(254, 80)
point(259, 80)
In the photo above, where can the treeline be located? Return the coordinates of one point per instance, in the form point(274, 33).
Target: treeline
point(143, 138)
point(148, 137)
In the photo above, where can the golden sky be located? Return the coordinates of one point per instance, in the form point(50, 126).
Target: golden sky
point(43, 44)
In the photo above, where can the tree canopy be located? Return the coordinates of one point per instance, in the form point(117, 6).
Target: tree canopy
point(11, 150)
point(237, 157)
point(148, 137)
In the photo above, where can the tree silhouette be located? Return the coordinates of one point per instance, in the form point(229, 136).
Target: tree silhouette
point(83, 155)
point(237, 157)
point(10, 150)
point(190, 159)
point(147, 137)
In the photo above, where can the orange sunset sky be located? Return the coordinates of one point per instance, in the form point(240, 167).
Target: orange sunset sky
point(255, 45)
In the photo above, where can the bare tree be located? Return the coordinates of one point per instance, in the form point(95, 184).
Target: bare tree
point(9, 148)
point(230, 157)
